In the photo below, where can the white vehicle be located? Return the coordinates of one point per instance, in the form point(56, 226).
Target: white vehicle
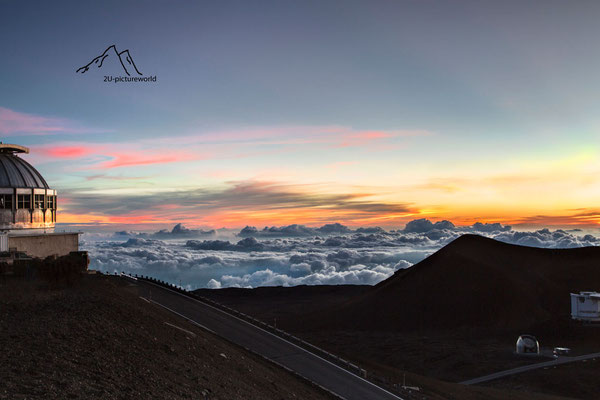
point(561, 351)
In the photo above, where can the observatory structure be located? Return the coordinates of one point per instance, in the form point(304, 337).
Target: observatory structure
point(28, 209)
point(585, 306)
point(527, 344)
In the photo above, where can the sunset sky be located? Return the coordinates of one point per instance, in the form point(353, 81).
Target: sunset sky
point(272, 113)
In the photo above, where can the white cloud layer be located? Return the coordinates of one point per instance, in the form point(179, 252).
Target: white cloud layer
point(296, 254)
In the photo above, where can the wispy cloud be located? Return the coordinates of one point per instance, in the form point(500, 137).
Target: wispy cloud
point(329, 135)
point(580, 217)
point(238, 203)
point(362, 138)
point(69, 152)
point(113, 177)
point(133, 158)
point(109, 156)
point(13, 123)
point(229, 144)
point(263, 203)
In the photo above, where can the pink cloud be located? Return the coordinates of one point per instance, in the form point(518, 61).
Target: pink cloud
point(270, 134)
point(17, 123)
point(113, 178)
point(130, 159)
point(69, 152)
point(362, 138)
point(107, 156)
point(168, 207)
point(291, 135)
point(242, 143)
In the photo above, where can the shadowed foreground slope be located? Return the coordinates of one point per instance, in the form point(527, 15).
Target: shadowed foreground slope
point(98, 339)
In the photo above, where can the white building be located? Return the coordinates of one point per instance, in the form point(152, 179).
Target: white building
point(28, 209)
point(585, 306)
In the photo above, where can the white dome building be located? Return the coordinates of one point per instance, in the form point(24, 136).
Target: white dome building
point(28, 209)
point(26, 200)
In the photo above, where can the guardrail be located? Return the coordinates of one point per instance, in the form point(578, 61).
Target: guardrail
point(347, 365)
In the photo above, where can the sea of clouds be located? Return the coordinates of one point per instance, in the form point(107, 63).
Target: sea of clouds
point(296, 254)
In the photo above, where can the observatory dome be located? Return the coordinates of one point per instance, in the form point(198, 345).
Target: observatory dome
point(18, 173)
point(26, 200)
point(527, 344)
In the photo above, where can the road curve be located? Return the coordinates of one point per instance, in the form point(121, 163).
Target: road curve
point(310, 366)
point(525, 368)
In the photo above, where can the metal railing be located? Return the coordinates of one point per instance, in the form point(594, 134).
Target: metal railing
point(339, 361)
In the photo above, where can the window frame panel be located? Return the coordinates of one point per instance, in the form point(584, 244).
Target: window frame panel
point(39, 202)
point(6, 201)
point(24, 201)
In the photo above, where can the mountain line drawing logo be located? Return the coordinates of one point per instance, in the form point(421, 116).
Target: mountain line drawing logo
point(111, 55)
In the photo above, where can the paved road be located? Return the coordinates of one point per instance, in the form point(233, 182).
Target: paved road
point(508, 372)
point(306, 364)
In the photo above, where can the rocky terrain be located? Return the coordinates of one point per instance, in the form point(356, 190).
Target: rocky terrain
point(98, 340)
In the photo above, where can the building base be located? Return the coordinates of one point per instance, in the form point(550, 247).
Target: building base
point(42, 245)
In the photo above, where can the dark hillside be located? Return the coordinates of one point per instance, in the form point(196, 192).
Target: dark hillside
point(454, 316)
point(473, 282)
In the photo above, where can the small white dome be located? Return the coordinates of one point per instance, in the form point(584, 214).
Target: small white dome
point(527, 344)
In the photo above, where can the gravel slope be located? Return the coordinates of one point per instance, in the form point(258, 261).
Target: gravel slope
point(99, 340)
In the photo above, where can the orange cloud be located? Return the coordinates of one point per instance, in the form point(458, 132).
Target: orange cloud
point(242, 203)
point(64, 217)
point(237, 216)
point(361, 138)
point(584, 218)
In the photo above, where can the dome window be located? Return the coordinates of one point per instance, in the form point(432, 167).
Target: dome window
point(39, 201)
point(24, 201)
point(6, 201)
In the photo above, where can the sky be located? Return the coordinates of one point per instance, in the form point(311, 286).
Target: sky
point(280, 112)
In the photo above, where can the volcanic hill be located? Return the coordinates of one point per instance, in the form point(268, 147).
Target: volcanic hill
point(453, 316)
point(474, 282)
